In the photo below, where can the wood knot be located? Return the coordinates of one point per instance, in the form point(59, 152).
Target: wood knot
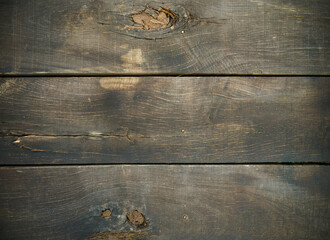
point(136, 218)
point(106, 213)
point(151, 21)
point(151, 18)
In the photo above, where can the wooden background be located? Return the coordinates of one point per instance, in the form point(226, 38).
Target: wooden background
point(219, 37)
point(215, 128)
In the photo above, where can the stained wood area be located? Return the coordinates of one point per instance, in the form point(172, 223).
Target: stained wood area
point(177, 202)
point(194, 36)
point(164, 120)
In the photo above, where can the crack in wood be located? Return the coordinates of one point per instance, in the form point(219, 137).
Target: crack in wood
point(27, 141)
point(125, 134)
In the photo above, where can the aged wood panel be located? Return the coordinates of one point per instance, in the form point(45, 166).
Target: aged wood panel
point(221, 37)
point(164, 120)
point(178, 202)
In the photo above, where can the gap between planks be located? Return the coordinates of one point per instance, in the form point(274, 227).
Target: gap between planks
point(166, 164)
point(67, 75)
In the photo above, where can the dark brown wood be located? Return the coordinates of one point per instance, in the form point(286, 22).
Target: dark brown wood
point(178, 202)
point(164, 120)
point(114, 119)
point(227, 37)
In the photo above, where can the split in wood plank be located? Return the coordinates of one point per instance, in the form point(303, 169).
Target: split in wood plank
point(164, 120)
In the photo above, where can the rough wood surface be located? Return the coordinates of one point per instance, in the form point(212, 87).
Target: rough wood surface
point(164, 120)
point(179, 202)
point(226, 37)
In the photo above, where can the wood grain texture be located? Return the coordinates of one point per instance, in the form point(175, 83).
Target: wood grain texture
point(221, 37)
point(180, 202)
point(164, 120)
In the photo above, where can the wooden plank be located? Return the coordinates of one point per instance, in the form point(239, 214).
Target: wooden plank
point(221, 37)
point(164, 120)
point(179, 202)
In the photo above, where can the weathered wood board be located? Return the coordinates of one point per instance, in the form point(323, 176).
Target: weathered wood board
point(220, 37)
point(88, 87)
point(179, 202)
point(164, 120)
